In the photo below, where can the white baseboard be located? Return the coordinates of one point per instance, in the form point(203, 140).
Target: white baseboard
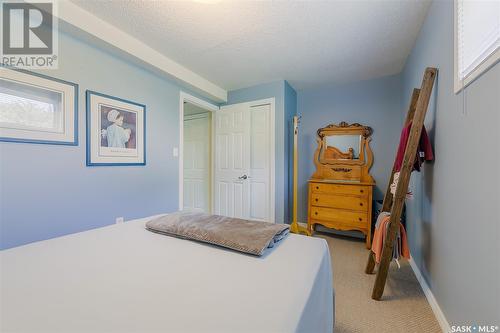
point(445, 326)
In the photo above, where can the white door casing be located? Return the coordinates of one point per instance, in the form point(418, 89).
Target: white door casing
point(244, 161)
point(197, 162)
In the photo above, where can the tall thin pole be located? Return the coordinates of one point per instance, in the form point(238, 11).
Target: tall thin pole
point(294, 227)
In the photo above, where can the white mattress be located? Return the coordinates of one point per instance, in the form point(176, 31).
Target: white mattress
point(123, 278)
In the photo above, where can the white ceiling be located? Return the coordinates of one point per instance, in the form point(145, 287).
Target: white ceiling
point(238, 44)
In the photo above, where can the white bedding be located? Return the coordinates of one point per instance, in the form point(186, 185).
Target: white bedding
point(123, 278)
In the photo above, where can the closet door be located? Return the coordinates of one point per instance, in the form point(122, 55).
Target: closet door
point(232, 161)
point(243, 161)
point(197, 162)
point(260, 163)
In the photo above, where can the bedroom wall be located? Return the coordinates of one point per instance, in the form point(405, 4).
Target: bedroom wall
point(376, 103)
point(453, 223)
point(47, 191)
point(284, 96)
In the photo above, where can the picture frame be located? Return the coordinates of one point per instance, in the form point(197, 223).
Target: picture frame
point(36, 108)
point(116, 131)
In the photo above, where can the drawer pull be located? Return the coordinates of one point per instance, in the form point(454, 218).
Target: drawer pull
point(315, 213)
point(360, 219)
point(361, 204)
point(316, 199)
point(317, 187)
point(361, 191)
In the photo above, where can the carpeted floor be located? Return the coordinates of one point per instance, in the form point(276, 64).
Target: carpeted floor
point(403, 307)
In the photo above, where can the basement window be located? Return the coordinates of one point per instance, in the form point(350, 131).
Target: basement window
point(477, 39)
point(30, 108)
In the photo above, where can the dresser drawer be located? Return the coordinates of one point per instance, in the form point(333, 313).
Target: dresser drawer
point(339, 189)
point(359, 203)
point(333, 214)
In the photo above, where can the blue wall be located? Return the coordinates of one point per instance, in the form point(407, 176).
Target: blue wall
point(453, 223)
point(375, 103)
point(284, 104)
point(47, 191)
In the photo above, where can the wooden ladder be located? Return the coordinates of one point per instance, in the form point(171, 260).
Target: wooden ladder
point(416, 114)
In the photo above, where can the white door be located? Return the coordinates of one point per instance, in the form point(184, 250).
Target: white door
point(197, 142)
point(243, 148)
point(260, 163)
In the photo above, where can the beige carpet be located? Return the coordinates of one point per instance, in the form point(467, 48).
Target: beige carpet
point(403, 307)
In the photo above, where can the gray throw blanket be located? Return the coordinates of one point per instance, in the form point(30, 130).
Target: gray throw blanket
point(241, 235)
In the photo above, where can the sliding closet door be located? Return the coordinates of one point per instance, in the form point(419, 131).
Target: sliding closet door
point(243, 160)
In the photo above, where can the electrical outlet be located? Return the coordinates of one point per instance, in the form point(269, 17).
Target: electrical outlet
point(175, 152)
point(119, 220)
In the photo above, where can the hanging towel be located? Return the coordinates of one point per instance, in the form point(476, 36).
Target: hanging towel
point(400, 248)
point(424, 150)
point(381, 217)
point(394, 185)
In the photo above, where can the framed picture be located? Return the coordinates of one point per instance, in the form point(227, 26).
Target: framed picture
point(116, 131)
point(36, 108)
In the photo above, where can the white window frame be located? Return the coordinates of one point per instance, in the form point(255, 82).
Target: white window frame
point(488, 62)
point(68, 91)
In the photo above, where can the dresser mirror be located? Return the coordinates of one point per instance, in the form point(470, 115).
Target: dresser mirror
point(344, 153)
point(342, 147)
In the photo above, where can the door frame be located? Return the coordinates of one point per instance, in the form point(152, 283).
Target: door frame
point(185, 97)
point(272, 158)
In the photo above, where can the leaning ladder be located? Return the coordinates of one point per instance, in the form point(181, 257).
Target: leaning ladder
point(416, 115)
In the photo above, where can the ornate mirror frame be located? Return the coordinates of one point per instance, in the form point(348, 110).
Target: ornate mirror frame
point(344, 169)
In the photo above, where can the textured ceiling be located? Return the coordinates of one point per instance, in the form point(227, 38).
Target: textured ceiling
point(238, 44)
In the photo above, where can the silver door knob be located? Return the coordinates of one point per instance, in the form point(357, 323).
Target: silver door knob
point(243, 177)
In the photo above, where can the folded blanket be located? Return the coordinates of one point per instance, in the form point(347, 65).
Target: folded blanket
point(241, 235)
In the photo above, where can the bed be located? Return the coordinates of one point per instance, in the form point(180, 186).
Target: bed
point(123, 278)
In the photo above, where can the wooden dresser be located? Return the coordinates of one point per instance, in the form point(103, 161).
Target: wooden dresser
point(341, 189)
point(341, 205)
